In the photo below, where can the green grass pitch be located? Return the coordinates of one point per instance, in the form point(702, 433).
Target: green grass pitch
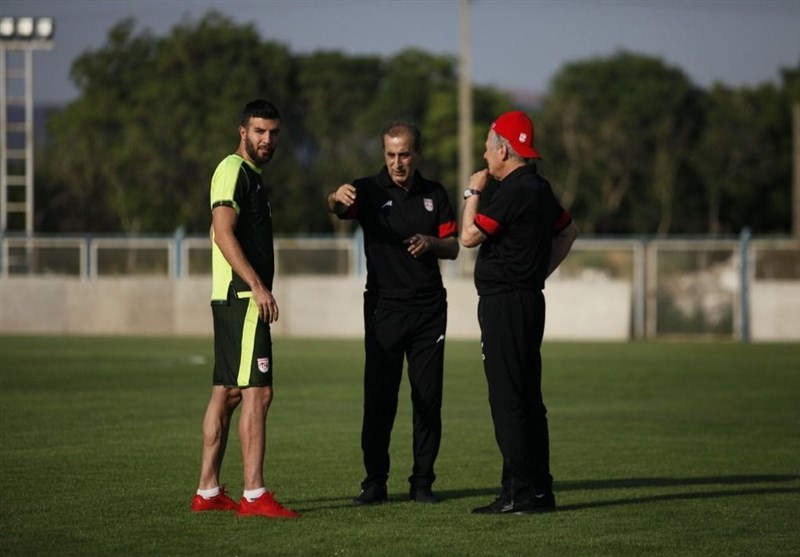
point(658, 449)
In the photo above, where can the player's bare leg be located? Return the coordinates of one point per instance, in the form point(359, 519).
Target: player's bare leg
point(216, 425)
point(252, 432)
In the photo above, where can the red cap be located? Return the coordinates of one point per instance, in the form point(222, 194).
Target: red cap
point(517, 129)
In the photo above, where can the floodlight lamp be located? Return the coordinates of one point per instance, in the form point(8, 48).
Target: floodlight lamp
point(44, 28)
point(25, 27)
point(6, 27)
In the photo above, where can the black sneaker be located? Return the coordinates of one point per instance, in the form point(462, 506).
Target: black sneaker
point(422, 495)
point(500, 505)
point(371, 495)
point(541, 503)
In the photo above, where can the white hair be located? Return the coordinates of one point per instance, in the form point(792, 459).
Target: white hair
point(498, 141)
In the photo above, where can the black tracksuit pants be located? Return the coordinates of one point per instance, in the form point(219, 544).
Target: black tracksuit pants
point(390, 337)
point(512, 326)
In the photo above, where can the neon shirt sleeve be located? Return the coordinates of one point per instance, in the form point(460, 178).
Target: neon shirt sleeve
point(223, 183)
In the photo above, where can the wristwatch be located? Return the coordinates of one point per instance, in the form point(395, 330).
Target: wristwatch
point(470, 192)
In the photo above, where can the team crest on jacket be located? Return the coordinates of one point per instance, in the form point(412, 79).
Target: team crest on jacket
point(428, 204)
point(263, 365)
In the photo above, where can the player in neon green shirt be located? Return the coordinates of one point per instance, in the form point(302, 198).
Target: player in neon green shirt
point(243, 308)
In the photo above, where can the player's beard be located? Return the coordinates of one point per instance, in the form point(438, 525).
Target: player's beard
point(252, 151)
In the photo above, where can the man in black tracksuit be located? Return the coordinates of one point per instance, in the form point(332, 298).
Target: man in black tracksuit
point(408, 226)
point(524, 234)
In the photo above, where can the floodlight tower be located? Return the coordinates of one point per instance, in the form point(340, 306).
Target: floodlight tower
point(18, 36)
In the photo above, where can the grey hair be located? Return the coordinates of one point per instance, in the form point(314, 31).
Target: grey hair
point(400, 127)
point(498, 141)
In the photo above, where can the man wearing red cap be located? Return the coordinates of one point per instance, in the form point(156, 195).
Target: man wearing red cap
point(524, 234)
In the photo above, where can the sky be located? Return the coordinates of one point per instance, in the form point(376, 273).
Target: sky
point(516, 45)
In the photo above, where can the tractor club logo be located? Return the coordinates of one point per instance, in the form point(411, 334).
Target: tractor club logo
point(263, 365)
point(428, 204)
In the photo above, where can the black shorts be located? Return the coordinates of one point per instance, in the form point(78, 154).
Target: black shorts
point(242, 343)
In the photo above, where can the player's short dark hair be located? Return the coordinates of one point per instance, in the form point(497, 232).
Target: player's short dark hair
point(399, 127)
point(259, 108)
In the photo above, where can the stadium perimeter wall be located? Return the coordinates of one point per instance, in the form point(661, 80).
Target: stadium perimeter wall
point(310, 306)
point(313, 306)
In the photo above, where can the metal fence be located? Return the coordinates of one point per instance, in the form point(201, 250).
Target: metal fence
point(91, 257)
point(686, 286)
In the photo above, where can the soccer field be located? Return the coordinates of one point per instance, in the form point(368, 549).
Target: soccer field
point(657, 449)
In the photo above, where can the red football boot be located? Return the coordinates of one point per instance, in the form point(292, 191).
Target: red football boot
point(266, 505)
point(220, 502)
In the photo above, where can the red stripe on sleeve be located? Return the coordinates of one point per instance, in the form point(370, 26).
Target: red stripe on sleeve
point(562, 221)
point(448, 229)
point(487, 225)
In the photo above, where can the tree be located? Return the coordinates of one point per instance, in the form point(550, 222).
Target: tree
point(335, 141)
point(616, 133)
point(744, 156)
point(348, 101)
point(155, 115)
point(730, 156)
point(440, 129)
point(630, 145)
point(154, 118)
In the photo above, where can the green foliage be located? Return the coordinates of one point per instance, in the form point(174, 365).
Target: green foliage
point(744, 158)
point(629, 143)
point(619, 131)
point(331, 91)
point(155, 117)
point(634, 147)
point(658, 449)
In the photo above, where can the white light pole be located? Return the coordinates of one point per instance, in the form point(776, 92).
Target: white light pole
point(18, 35)
point(464, 108)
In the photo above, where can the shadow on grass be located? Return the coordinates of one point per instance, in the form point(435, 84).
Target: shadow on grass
point(625, 483)
point(677, 497)
point(630, 483)
point(328, 503)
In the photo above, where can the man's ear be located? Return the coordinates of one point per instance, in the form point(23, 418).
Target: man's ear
point(502, 151)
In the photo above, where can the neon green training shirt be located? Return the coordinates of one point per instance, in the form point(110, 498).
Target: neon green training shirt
point(237, 184)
